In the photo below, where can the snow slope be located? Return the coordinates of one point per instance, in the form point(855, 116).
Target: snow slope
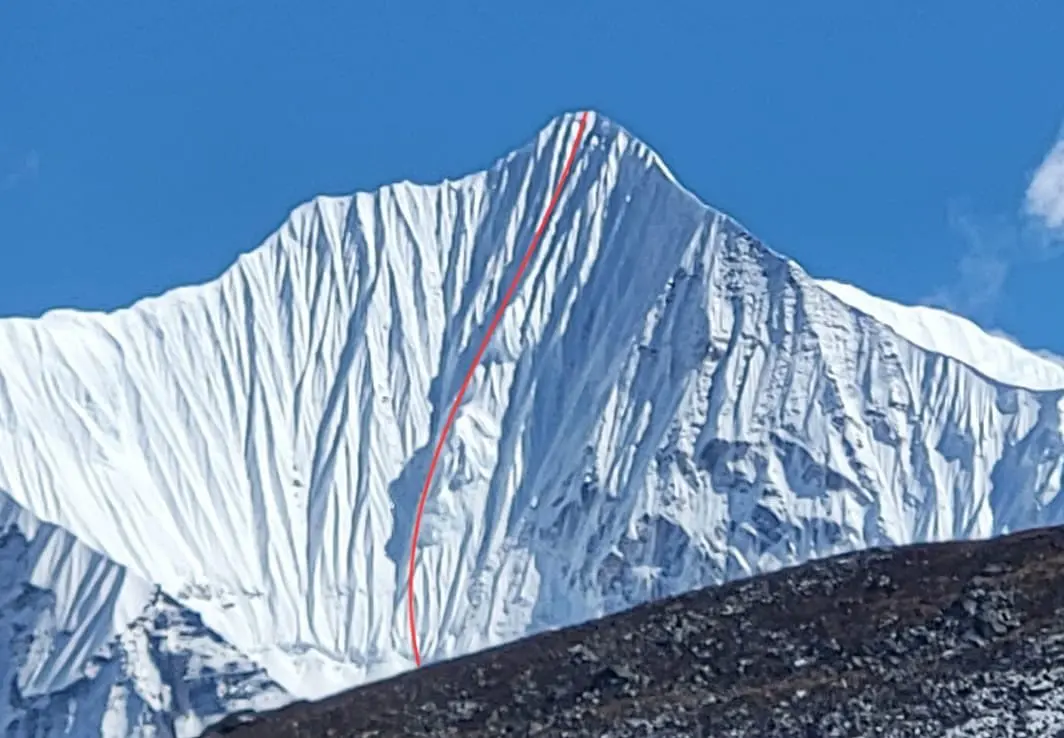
point(86, 648)
point(959, 338)
point(666, 403)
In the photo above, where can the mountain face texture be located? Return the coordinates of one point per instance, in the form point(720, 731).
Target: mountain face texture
point(950, 640)
point(207, 499)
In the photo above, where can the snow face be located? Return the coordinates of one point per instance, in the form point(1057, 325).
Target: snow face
point(665, 404)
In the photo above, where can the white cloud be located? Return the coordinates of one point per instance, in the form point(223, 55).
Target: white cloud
point(996, 245)
point(992, 247)
point(1045, 194)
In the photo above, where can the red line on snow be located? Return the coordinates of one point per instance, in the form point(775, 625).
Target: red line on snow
point(469, 375)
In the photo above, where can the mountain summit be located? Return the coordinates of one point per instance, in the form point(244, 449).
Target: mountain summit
point(208, 497)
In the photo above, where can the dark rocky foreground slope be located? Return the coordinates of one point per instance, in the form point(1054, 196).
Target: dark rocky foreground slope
point(960, 639)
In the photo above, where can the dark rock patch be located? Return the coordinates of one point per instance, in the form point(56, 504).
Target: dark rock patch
point(960, 639)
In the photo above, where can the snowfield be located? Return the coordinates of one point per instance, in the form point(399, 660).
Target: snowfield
point(208, 497)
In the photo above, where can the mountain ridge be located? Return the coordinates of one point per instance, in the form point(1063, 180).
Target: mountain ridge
point(859, 299)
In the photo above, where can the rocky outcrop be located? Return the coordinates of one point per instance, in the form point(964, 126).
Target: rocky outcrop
point(962, 640)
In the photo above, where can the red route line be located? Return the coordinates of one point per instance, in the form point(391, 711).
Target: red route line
point(469, 375)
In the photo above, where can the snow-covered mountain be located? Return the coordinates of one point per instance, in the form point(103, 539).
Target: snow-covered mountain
point(208, 497)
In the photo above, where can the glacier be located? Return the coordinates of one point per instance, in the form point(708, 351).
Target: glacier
point(207, 498)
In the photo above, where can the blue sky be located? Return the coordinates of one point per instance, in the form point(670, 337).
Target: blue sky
point(145, 144)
